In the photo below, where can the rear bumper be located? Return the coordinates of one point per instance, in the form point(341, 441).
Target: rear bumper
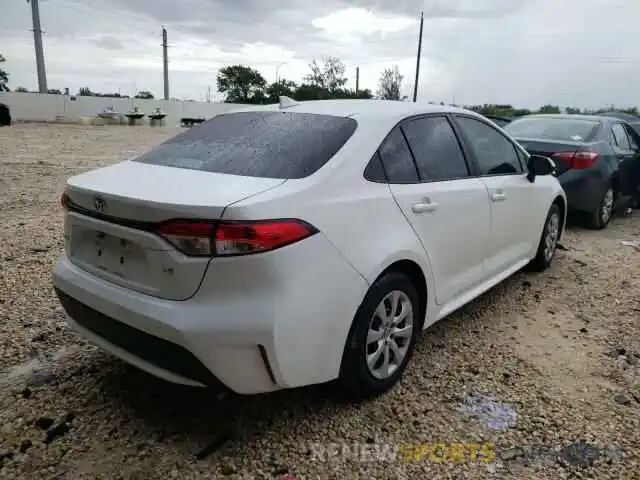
point(584, 190)
point(250, 333)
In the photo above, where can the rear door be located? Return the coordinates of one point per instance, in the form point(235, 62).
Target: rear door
point(517, 205)
point(447, 208)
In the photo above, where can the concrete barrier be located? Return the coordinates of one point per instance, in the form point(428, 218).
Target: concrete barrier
point(36, 107)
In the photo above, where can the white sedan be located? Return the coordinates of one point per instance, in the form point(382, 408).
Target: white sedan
point(294, 244)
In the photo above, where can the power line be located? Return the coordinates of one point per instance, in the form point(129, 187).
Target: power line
point(120, 23)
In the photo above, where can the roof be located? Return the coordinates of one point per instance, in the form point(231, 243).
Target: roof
point(623, 116)
point(366, 108)
point(570, 116)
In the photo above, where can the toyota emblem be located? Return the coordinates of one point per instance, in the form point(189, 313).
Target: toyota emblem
point(100, 204)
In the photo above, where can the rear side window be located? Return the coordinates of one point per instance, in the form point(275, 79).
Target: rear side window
point(396, 159)
point(257, 144)
point(575, 130)
point(620, 136)
point(436, 149)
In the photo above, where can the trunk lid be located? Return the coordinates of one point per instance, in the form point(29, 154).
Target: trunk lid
point(109, 228)
point(549, 148)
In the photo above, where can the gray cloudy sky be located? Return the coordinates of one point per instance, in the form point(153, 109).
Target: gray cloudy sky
point(525, 52)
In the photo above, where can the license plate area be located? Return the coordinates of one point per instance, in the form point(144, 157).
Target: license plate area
point(106, 252)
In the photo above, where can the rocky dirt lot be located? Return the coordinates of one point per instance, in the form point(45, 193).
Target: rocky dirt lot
point(545, 367)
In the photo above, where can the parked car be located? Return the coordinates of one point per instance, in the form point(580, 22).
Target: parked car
point(632, 120)
point(597, 159)
point(498, 120)
point(5, 115)
point(283, 246)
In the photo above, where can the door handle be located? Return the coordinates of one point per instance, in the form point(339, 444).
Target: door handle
point(426, 206)
point(498, 196)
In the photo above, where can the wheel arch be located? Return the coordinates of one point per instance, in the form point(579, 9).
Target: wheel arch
point(415, 273)
point(415, 269)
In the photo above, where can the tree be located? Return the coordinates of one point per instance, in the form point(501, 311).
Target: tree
point(307, 91)
point(281, 88)
point(4, 76)
point(390, 83)
point(631, 111)
point(21, 90)
point(327, 74)
point(144, 95)
point(549, 109)
point(241, 84)
point(85, 92)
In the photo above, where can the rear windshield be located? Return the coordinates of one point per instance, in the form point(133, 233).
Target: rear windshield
point(256, 144)
point(553, 128)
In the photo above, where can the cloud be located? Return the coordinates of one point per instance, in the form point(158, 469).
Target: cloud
point(524, 52)
point(109, 42)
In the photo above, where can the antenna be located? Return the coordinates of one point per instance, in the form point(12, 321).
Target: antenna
point(286, 102)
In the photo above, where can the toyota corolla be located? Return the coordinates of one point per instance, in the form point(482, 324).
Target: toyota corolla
point(295, 244)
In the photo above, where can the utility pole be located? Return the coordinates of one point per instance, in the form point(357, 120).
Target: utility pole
point(37, 40)
point(165, 63)
point(415, 86)
point(278, 71)
point(357, 80)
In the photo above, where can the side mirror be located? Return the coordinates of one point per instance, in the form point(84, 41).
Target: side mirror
point(539, 165)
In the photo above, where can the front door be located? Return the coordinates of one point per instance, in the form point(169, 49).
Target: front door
point(625, 146)
point(515, 207)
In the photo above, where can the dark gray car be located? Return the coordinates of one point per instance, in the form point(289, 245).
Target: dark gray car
point(597, 159)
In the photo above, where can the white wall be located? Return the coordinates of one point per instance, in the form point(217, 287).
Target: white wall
point(49, 108)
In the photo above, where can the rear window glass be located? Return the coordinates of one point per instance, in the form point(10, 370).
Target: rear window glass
point(553, 128)
point(256, 144)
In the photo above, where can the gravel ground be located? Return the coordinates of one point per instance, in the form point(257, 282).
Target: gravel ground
point(558, 352)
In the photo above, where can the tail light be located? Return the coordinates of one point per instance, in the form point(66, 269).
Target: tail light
point(228, 238)
point(578, 160)
point(64, 201)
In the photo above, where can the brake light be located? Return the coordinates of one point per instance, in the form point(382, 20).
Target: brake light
point(241, 238)
point(64, 201)
point(578, 160)
point(202, 238)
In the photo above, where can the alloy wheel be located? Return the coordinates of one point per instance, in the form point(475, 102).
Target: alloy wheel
point(390, 334)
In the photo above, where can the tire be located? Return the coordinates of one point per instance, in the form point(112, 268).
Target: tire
point(600, 218)
point(5, 115)
point(357, 379)
point(548, 240)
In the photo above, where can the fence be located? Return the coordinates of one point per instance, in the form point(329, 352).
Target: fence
point(51, 108)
